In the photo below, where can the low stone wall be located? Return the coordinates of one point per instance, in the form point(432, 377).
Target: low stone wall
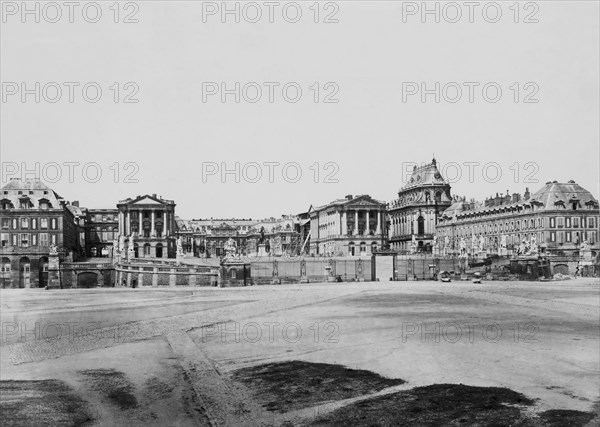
point(164, 274)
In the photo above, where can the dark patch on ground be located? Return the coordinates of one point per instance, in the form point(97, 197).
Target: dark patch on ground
point(113, 385)
point(41, 403)
point(293, 385)
point(157, 389)
point(396, 300)
point(565, 417)
point(450, 405)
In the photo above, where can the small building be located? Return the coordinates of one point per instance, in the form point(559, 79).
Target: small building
point(353, 226)
point(414, 215)
point(33, 218)
point(150, 221)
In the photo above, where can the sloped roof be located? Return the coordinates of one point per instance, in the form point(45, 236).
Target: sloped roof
point(555, 191)
point(425, 175)
point(26, 186)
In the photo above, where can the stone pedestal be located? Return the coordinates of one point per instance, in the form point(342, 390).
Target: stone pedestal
point(262, 250)
point(53, 272)
point(235, 273)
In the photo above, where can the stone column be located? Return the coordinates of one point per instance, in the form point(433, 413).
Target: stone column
point(355, 222)
point(344, 223)
point(127, 223)
point(378, 230)
point(367, 228)
point(140, 223)
point(166, 224)
point(152, 230)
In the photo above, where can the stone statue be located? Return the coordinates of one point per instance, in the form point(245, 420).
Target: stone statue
point(523, 248)
point(585, 246)
point(53, 249)
point(179, 246)
point(121, 244)
point(414, 244)
point(462, 245)
point(230, 248)
point(503, 241)
point(130, 249)
point(533, 247)
point(481, 243)
point(446, 242)
point(262, 235)
point(115, 246)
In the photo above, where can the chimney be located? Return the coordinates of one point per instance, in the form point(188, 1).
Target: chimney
point(154, 195)
point(349, 197)
point(76, 203)
point(516, 197)
point(527, 194)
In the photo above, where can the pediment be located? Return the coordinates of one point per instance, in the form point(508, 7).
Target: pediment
point(147, 200)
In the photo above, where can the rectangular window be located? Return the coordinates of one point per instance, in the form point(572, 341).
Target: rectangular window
point(5, 223)
point(44, 223)
point(53, 239)
point(24, 223)
point(568, 222)
point(15, 224)
point(552, 222)
point(34, 223)
point(43, 239)
point(24, 240)
point(568, 236)
point(53, 223)
point(560, 223)
point(4, 239)
point(560, 237)
point(34, 240)
point(575, 222)
point(591, 222)
point(553, 236)
point(593, 239)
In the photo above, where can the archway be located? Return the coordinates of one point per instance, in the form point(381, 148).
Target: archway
point(5, 280)
point(147, 249)
point(159, 250)
point(43, 272)
point(87, 280)
point(24, 272)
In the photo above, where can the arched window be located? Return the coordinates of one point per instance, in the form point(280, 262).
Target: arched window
point(420, 225)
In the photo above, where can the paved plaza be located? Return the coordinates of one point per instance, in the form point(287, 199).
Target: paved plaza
point(174, 352)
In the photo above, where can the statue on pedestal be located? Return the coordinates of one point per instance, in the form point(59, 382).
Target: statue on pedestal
point(533, 247)
point(53, 249)
point(481, 244)
point(414, 244)
point(585, 246)
point(230, 249)
point(463, 246)
point(121, 244)
point(130, 249)
point(179, 247)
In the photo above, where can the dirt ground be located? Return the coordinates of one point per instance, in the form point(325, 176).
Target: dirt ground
point(498, 353)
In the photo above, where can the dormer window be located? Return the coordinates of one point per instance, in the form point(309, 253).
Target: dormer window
point(6, 204)
point(45, 204)
point(24, 203)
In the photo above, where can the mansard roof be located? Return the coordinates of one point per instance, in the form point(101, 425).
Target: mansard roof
point(40, 192)
point(549, 197)
point(554, 193)
point(425, 175)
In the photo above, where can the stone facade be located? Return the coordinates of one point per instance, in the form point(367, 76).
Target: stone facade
point(33, 220)
point(414, 215)
point(354, 226)
point(148, 222)
point(101, 230)
point(557, 220)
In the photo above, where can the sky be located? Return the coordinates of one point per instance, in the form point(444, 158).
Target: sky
point(324, 109)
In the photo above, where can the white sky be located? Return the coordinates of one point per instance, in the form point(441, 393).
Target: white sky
point(369, 133)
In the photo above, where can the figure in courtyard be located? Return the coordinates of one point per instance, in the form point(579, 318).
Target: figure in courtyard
point(230, 248)
point(179, 246)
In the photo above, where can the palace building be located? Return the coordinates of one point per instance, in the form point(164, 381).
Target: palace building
point(413, 216)
point(353, 226)
point(559, 218)
point(33, 218)
point(150, 222)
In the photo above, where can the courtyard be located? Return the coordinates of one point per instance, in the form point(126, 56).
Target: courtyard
point(522, 353)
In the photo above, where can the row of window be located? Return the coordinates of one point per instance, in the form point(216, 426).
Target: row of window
point(29, 223)
point(26, 240)
point(572, 222)
point(573, 237)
